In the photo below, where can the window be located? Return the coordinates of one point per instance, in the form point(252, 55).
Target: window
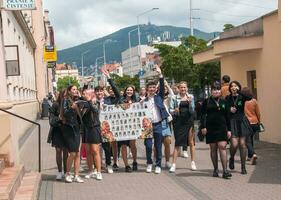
point(12, 60)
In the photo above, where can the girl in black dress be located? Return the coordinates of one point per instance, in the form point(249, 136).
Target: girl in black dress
point(182, 112)
point(240, 126)
point(92, 134)
point(215, 125)
point(55, 135)
point(71, 133)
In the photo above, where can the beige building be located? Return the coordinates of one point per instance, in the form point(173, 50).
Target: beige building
point(23, 75)
point(251, 54)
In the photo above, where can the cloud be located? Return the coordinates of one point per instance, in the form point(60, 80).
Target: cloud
point(76, 22)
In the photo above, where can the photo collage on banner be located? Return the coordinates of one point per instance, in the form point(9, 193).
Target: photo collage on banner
point(126, 122)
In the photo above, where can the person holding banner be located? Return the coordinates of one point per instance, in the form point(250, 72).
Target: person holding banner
point(92, 134)
point(128, 97)
point(71, 133)
point(101, 100)
point(160, 115)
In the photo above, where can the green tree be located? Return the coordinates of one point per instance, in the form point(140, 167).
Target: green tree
point(125, 81)
point(177, 64)
point(66, 81)
point(228, 27)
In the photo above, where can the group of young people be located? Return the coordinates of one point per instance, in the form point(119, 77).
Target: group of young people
point(74, 119)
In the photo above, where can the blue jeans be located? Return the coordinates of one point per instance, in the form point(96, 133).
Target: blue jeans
point(157, 136)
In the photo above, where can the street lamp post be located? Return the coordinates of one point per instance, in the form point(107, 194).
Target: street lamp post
point(82, 61)
point(139, 39)
point(96, 73)
point(130, 48)
point(104, 57)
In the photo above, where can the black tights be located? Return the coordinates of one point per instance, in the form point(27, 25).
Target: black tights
point(242, 147)
point(61, 158)
point(223, 155)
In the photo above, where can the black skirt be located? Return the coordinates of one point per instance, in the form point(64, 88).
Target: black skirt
point(240, 126)
point(92, 135)
point(57, 138)
point(181, 132)
point(71, 137)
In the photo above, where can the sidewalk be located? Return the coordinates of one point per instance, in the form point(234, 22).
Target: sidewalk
point(263, 181)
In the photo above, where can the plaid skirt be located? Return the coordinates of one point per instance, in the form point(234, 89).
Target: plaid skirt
point(240, 126)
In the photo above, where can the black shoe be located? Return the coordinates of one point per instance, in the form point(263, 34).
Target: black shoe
point(216, 173)
point(226, 175)
point(231, 163)
point(115, 167)
point(135, 166)
point(128, 169)
point(243, 171)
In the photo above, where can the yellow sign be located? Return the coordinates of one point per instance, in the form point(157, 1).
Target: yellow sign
point(50, 54)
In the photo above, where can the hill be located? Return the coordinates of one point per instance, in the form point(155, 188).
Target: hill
point(121, 43)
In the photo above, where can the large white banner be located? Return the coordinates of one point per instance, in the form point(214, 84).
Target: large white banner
point(126, 122)
point(19, 4)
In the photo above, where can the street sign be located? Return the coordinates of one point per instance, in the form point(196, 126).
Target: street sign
point(19, 4)
point(50, 54)
point(51, 65)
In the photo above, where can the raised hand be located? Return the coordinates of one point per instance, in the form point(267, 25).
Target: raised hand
point(105, 72)
point(158, 69)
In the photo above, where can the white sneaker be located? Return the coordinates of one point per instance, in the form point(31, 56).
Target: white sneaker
point(109, 169)
point(149, 168)
point(99, 176)
point(173, 168)
point(59, 176)
point(68, 179)
point(157, 170)
point(78, 179)
point(90, 175)
point(193, 166)
point(168, 165)
point(185, 154)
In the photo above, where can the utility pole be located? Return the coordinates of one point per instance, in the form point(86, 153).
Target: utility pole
point(190, 17)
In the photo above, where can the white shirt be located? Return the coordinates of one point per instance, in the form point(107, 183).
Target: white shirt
point(155, 111)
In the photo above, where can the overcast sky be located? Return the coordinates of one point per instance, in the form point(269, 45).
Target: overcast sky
point(79, 21)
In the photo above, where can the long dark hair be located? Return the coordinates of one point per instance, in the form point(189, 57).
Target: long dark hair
point(133, 98)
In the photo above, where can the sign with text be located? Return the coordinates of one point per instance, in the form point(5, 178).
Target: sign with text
point(126, 122)
point(50, 54)
point(19, 4)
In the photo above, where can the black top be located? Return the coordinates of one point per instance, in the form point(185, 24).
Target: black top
point(215, 115)
point(70, 115)
point(90, 115)
point(54, 113)
point(238, 102)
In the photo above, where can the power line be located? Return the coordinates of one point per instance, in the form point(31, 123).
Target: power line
point(245, 4)
point(212, 20)
point(209, 11)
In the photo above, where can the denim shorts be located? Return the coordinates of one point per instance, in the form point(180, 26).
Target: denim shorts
point(166, 131)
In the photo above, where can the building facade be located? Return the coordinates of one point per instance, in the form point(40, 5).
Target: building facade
point(250, 54)
point(131, 60)
point(23, 82)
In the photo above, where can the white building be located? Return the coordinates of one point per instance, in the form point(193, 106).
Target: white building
point(118, 71)
point(66, 72)
point(170, 43)
point(130, 59)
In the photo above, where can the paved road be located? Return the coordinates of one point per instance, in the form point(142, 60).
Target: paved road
point(262, 181)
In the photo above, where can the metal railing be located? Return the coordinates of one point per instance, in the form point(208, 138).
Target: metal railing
point(39, 134)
